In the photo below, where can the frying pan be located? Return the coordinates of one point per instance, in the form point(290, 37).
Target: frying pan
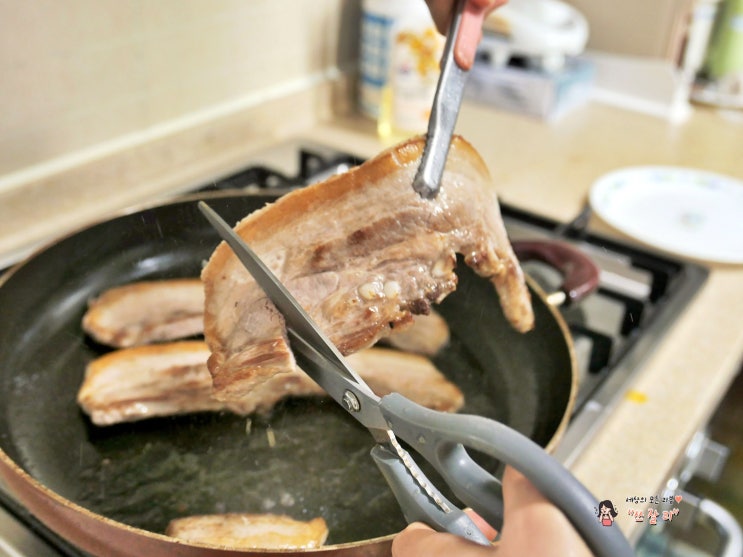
point(112, 490)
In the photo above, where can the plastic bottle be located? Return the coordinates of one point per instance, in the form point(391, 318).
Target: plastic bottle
point(400, 55)
point(725, 51)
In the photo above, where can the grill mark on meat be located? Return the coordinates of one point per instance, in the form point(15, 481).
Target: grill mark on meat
point(420, 306)
point(271, 357)
point(358, 237)
point(381, 234)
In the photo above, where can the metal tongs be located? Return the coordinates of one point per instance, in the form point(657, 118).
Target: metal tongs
point(444, 112)
point(438, 437)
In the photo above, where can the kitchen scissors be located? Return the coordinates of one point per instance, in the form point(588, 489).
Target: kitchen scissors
point(440, 438)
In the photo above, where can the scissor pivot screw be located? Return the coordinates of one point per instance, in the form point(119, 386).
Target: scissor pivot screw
point(351, 402)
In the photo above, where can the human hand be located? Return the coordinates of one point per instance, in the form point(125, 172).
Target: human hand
point(531, 526)
point(470, 31)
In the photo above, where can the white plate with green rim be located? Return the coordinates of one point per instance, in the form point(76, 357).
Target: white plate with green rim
point(683, 211)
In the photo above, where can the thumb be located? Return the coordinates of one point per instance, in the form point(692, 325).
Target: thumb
point(418, 540)
point(534, 526)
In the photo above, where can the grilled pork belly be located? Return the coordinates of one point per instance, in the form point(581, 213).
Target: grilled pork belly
point(250, 531)
point(361, 252)
point(427, 335)
point(149, 381)
point(147, 311)
point(172, 378)
point(413, 376)
point(167, 310)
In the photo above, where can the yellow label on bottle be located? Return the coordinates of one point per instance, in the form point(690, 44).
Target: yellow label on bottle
point(413, 75)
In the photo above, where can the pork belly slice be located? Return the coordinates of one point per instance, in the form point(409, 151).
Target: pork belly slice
point(149, 381)
point(427, 335)
point(167, 310)
point(414, 376)
point(147, 311)
point(384, 370)
point(250, 531)
point(362, 253)
point(172, 378)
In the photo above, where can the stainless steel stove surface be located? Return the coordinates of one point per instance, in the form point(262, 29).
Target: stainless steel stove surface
point(640, 294)
point(615, 329)
point(22, 535)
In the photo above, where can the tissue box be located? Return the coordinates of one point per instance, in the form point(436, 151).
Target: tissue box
point(547, 95)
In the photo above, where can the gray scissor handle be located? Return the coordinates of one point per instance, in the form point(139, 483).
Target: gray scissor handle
point(441, 439)
point(416, 503)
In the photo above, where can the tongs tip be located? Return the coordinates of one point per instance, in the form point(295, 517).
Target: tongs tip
point(443, 118)
point(427, 181)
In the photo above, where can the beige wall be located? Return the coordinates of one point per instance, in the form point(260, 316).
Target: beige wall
point(80, 72)
point(636, 27)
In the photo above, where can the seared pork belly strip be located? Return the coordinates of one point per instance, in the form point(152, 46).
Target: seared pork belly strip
point(147, 311)
point(361, 252)
point(167, 310)
point(384, 370)
point(149, 381)
point(172, 378)
point(413, 376)
point(427, 335)
point(250, 531)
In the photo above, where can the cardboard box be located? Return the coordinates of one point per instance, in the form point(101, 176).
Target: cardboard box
point(547, 95)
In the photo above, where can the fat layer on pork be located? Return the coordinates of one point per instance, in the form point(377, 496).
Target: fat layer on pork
point(362, 252)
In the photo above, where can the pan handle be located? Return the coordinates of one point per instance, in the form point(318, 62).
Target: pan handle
point(580, 274)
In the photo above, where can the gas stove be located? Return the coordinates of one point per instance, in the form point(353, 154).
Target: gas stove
point(640, 294)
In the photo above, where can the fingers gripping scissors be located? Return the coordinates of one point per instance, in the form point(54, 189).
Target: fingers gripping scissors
point(438, 437)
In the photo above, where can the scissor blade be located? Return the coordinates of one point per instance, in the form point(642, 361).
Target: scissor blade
point(297, 320)
point(320, 359)
point(357, 398)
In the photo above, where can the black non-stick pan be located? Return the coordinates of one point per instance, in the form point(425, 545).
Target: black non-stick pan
point(112, 490)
